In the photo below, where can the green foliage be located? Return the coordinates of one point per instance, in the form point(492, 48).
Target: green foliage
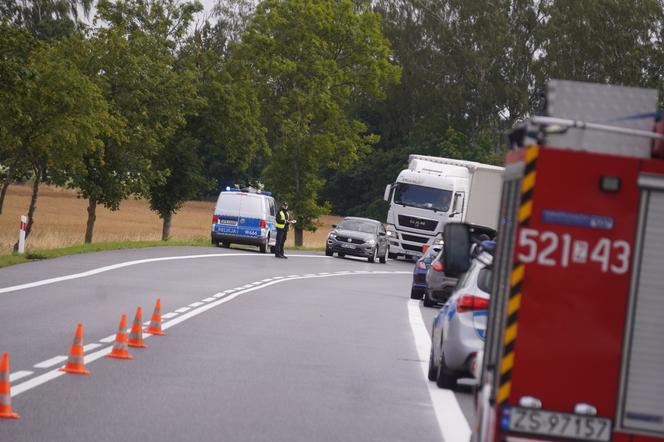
point(310, 59)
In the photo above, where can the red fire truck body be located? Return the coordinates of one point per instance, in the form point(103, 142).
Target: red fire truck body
point(575, 343)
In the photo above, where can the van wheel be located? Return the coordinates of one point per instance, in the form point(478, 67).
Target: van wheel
point(444, 379)
point(225, 244)
point(272, 249)
point(416, 294)
point(262, 248)
point(432, 374)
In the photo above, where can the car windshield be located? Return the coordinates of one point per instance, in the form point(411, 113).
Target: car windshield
point(358, 226)
point(422, 197)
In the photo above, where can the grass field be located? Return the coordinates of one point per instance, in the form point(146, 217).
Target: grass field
point(61, 216)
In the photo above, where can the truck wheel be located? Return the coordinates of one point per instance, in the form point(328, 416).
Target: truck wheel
point(392, 255)
point(328, 252)
point(383, 259)
point(444, 379)
point(374, 255)
point(428, 302)
point(416, 294)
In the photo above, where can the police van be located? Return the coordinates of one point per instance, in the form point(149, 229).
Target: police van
point(243, 217)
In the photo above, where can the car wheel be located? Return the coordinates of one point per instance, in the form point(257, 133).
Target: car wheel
point(416, 293)
point(226, 244)
point(341, 255)
point(444, 379)
point(433, 370)
point(383, 259)
point(428, 302)
point(374, 255)
point(328, 252)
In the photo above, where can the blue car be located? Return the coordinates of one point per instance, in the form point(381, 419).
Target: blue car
point(422, 265)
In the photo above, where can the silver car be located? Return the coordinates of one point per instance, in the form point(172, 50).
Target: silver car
point(362, 237)
point(458, 330)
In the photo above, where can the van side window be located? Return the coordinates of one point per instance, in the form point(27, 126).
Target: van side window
point(273, 211)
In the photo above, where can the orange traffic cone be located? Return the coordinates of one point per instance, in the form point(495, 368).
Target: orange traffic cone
point(5, 390)
point(75, 363)
point(136, 333)
point(120, 349)
point(155, 321)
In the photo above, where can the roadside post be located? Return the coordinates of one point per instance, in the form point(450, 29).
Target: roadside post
point(21, 234)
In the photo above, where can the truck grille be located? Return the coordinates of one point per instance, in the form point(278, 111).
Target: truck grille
point(413, 238)
point(352, 240)
point(413, 248)
point(418, 223)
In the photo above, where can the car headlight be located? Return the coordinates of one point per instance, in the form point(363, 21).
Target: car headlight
point(333, 235)
point(371, 242)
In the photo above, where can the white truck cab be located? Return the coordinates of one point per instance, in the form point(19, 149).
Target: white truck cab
point(434, 191)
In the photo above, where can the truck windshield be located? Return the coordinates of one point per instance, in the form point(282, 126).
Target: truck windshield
point(422, 197)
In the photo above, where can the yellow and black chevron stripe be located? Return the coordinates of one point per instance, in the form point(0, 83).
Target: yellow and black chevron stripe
point(514, 300)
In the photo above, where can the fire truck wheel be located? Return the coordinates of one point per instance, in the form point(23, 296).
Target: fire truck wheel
point(433, 370)
point(444, 379)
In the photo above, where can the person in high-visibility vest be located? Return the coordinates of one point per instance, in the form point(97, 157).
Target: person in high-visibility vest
point(283, 222)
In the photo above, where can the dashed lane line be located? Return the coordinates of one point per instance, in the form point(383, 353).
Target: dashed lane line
point(120, 265)
point(230, 295)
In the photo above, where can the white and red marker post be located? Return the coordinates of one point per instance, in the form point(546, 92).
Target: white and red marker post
point(21, 234)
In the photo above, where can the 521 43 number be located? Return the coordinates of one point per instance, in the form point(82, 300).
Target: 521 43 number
point(551, 249)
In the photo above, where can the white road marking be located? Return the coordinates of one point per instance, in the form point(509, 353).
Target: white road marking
point(207, 299)
point(120, 265)
point(451, 420)
point(51, 362)
point(182, 310)
point(266, 280)
point(19, 375)
point(56, 373)
point(108, 339)
point(218, 295)
point(195, 304)
point(89, 347)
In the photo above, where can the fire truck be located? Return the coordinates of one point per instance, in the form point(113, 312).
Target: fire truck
point(575, 333)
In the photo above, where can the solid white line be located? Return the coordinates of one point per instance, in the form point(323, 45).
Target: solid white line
point(132, 263)
point(451, 420)
point(53, 374)
point(89, 347)
point(51, 362)
point(19, 375)
point(169, 315)
point(108, 339)
point(207, 299)
point(182, 310)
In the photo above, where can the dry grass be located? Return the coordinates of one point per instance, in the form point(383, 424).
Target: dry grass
point(61, 217)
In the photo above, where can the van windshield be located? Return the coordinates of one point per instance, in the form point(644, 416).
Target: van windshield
point(422, 197)
point(239, 204)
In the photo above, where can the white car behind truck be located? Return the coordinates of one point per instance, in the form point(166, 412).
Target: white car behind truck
point(434, 191)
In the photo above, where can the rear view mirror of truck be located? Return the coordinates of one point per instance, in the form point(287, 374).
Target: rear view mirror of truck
point(456, 253)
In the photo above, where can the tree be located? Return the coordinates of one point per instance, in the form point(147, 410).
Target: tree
point(63, 116)
point(46, 19)
point(310, 58)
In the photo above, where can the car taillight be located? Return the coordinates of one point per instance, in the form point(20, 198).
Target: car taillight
point(215, 219)
point(437, 266)
point(421, 265)
point(470, 303)
point(263, 224)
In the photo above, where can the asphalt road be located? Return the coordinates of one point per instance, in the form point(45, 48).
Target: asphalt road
point(257, 349)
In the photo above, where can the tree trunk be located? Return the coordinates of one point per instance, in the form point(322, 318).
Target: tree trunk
point(92, 217)
point(166, 230)
point(33, 205)
point(3, 192)
point(299, 237)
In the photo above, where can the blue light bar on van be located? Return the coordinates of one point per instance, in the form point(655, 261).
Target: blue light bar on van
point(262, 192)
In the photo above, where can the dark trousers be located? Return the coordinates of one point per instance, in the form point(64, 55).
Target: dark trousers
point(281, 240)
